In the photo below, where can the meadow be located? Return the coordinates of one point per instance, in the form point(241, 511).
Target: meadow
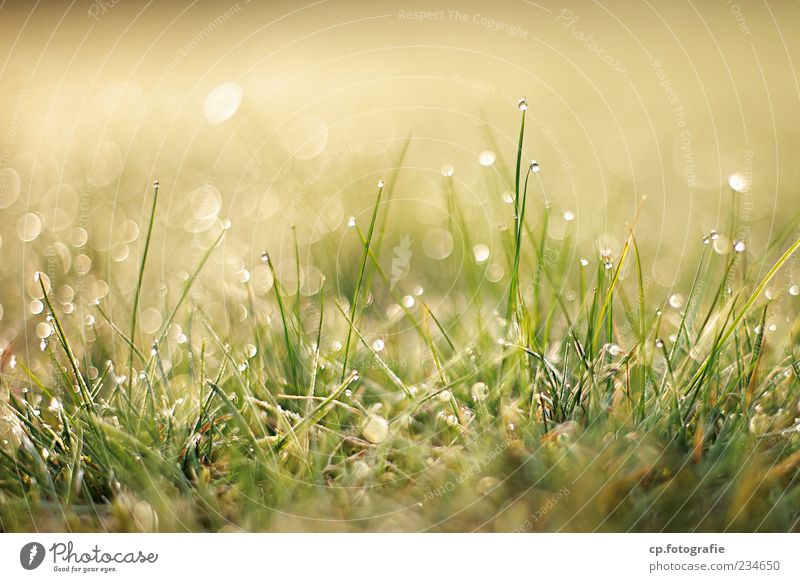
point(537, 384)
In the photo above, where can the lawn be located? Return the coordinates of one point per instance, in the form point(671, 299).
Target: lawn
point(537, 384)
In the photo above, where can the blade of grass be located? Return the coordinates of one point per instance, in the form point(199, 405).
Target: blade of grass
point(138, 289)
point(357, 290)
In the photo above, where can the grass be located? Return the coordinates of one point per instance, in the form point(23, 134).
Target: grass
point(608, 410)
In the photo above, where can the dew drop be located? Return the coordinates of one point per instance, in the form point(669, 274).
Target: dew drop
point(535, 166)
point(584, 262)
point(481, 253)
point(739, 246)
point(569, 216)
point(378, 345)
point(522, 104)
point(43, 330)
point(448, 170)
point(351, 222)
point(381, 183)
point(794, 290)
point(486, 158)
point(375, 429)
point(265, 257)
point(739, 182)
point(480, 391)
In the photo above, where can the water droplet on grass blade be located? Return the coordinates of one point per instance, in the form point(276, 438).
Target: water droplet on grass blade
point(481, 253)
point(381, 183)
point(535, 166)
point(448, 170)
point(375, 429)
point(486, 158)
point(479, 391)
point(675, 300)
point(569, 216)
point(739, 246)
point(739, 182)
point(43, 330)
point(522, 104)
point(351, 222)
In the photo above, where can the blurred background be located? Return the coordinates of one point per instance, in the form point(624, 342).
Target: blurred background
point(274, 115)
